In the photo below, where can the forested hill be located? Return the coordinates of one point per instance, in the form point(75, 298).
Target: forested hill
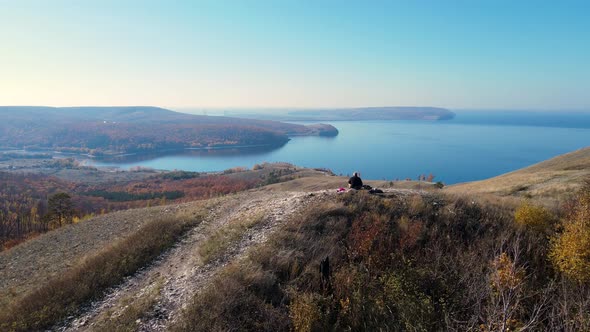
point(112, 130)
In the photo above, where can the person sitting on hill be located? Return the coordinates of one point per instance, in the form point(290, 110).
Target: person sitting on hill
point(355, 182)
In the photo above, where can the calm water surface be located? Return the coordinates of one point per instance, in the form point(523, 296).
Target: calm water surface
point(463, 149)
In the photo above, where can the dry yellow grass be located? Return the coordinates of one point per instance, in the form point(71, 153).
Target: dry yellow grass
point(326, 182)
point(46, 305)
point(128, 312)
point(223, 237)
point(550, 181)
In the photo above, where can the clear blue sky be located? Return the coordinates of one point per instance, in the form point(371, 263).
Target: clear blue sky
point(457, 54)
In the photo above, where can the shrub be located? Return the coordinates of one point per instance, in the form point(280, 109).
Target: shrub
point(416, 205)
point(230, 303)
point(414, 309)
point(304, 312)
point(570, 250)
point(534, 216)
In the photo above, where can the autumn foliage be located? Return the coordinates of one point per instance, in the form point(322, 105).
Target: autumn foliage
point(534, 216)
point(34, 203)
point(570, 252)
point(417, 263)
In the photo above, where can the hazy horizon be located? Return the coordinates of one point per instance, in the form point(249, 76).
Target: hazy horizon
point(288, 108)
point(293, 54)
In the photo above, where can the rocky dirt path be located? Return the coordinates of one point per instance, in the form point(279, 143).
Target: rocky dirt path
point(181, 271)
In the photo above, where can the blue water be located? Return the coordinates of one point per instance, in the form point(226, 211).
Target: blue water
point(473, 146)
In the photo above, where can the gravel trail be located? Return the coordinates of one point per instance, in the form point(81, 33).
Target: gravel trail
point(182, 271)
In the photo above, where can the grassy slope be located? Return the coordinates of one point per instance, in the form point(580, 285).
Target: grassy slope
point(89, 279)
point(551, 180)
point(314, 182)
point(53, 253)
point(426, 262)
point(44, 258)
point(381, 277)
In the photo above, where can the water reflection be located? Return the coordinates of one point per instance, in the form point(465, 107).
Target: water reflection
point(195, 153)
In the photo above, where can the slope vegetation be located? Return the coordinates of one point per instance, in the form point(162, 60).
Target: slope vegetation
point(550, 180)
point(221, 230)
point(298, 256)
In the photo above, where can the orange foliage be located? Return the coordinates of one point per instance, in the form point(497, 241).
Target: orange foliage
point(23, 198)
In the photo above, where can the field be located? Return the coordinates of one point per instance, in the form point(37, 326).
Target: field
point(552, 182)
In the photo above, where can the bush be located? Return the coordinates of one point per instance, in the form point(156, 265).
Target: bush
point(414, 309)
point(534, 216)
point(231, 303)
point(570, 251)
point(304, 312)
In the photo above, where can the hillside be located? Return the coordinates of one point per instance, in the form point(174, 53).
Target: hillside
point(403, 260)
point(26, 191)
point(550, 180)
point(229, 227)
point(115, 130)
point(412, 258)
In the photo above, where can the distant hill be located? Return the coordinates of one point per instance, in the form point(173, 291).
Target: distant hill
point(352, 114)
point(550, 179)
point(113, 130)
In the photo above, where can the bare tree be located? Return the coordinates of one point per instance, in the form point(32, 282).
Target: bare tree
point(60, 209)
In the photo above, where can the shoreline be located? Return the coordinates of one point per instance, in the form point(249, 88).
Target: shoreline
point(25, 151)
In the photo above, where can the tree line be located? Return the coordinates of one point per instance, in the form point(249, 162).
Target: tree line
point(32, 204)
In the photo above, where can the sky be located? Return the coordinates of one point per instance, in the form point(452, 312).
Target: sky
point(296, 54)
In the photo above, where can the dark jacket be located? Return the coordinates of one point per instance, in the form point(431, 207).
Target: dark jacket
point(355, 182)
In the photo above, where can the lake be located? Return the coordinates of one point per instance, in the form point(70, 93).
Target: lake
point(473, 146)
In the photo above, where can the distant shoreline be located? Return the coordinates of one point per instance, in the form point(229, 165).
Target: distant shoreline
point(223, 147)
point(127, 154)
